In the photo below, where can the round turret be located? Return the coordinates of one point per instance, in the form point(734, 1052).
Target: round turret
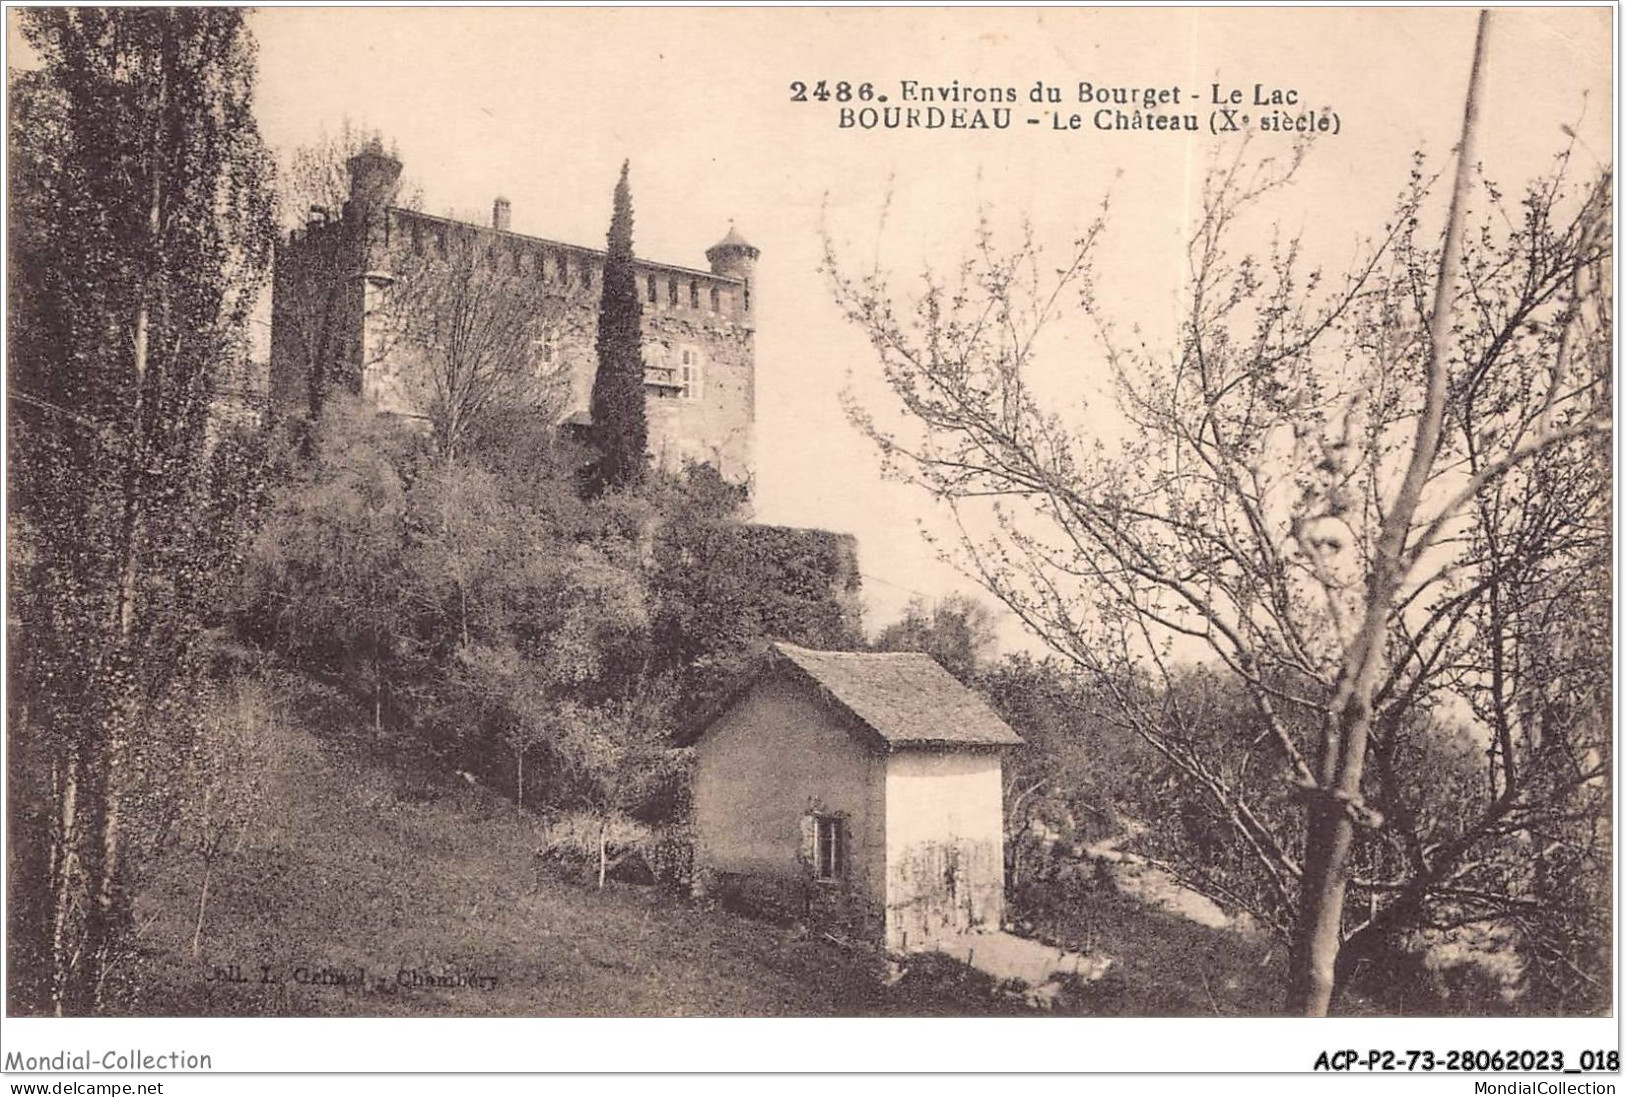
point(373, 175)
point(735, 257)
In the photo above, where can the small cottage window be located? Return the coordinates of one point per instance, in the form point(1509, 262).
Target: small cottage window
point(829, 847)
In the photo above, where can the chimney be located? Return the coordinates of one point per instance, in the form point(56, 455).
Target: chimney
point(501, 214)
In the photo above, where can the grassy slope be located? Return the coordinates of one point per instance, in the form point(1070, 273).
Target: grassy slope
point(355, 865)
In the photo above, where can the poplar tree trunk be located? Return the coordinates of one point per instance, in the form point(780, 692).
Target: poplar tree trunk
point(106, 910)
point(202, 905)
point(66, 872)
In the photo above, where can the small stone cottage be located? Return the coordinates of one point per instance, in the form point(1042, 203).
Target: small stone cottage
point(855, 789)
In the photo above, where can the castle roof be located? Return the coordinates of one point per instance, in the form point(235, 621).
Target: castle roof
point(732, 241)
point(562, 245)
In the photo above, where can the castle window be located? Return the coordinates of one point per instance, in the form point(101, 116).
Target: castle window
point(671, 292)
point(829, 847)
point(586, 276)
point(654, 291)
point(417, 238)
point(747, 295)
point(693, 374)
point(693, 294)
point(716, 299)
point(564, 267)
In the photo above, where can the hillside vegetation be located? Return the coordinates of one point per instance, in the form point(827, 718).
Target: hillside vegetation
point(414, 877)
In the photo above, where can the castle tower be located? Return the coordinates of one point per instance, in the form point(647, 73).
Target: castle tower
point(326, 278)
point(734, 257)
point(374, 176)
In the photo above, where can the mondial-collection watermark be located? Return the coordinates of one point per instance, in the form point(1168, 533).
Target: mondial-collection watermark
point(134, 1059)
point(1541, 1089)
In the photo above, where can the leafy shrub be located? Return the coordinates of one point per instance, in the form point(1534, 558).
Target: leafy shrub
point(634, 852)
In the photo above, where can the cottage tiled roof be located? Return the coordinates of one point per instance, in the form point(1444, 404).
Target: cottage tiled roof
point(905, 698)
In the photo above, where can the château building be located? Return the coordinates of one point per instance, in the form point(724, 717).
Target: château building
point(333, 277)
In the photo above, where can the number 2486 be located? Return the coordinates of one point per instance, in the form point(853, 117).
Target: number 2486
point(823, 91)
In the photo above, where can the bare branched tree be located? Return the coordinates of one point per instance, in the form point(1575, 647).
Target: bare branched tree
point(474, 334)
point(1362, 499)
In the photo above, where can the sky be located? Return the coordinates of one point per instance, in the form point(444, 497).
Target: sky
point(542, 105)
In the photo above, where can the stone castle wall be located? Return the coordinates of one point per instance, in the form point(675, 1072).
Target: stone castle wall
point(698, 326)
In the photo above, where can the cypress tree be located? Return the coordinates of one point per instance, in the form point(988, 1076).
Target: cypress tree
point(619, 422)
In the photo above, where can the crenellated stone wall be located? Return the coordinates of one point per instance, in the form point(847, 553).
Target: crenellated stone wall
point(699, 326)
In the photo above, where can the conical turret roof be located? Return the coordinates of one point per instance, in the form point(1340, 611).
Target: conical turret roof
point(731, 242)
